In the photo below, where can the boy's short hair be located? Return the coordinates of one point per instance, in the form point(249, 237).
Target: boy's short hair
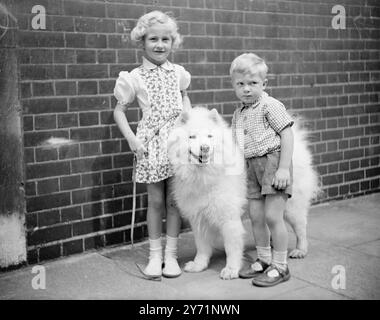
point(147, 20)
point(249, 63)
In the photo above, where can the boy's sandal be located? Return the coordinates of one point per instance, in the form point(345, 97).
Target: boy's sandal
point(251, 272)
point(271, 277)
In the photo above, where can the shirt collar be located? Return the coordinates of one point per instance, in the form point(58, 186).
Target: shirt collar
point(150, 65)
point(254, 104)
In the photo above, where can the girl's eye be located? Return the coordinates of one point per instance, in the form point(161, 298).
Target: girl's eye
point(192, 137)
point(210, 136)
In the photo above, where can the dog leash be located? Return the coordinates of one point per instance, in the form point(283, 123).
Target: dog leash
point(155, 132)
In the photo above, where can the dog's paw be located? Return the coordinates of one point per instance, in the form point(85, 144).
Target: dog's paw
point(228, 273)
point(297, 254)
point(191, 266)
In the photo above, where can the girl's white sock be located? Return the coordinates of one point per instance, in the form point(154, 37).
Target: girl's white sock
point(154, 266)
point(171, 265)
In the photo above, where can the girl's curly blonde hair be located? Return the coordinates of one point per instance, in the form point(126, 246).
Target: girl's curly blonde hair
point(147, 20)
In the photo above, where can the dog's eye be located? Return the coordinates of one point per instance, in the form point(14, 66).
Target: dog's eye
point(192, 137)
point(210, 136)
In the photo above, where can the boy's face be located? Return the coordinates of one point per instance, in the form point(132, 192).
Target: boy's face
point(248, 86)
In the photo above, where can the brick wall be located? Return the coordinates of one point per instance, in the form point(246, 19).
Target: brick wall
point(79, 193)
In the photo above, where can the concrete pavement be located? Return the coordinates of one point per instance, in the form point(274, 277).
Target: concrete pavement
point(344, 235)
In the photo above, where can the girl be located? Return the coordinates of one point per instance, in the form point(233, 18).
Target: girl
point(159, 87)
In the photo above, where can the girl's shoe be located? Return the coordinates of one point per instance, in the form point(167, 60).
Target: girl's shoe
point(171, 268)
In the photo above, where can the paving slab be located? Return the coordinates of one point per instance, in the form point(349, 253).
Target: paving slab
point(343, 233)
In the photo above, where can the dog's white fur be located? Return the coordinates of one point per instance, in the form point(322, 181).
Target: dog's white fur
point(210, 187)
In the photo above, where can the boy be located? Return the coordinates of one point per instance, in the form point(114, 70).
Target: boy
point(262, 129)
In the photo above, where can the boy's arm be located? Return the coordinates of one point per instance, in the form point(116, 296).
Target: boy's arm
point(282, 176)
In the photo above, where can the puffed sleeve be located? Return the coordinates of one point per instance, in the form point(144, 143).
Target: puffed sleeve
point(124, 90)
point(184, 78)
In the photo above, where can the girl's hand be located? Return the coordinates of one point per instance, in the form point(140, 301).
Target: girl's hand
point(137, 147)
point(281, 178)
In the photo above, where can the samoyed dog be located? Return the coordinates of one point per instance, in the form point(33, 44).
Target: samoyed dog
point(210, 188)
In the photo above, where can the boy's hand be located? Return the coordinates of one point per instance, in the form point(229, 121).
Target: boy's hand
point(137, 147)
point(281, 178)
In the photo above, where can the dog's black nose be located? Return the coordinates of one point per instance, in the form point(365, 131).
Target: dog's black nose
point(205, 148)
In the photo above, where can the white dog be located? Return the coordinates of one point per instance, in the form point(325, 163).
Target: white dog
point(210, 187)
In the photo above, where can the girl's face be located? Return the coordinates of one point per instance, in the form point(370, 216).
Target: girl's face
point(248, 87)
point(158, 43)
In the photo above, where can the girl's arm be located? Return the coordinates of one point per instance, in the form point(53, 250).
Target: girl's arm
point(185, 101)
point(122, 122)
point(282, 176)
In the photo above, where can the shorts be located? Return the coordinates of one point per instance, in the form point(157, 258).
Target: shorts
point(260, 174)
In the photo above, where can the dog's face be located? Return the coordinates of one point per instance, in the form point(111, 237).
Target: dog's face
point(199, 137)
point(201, 146)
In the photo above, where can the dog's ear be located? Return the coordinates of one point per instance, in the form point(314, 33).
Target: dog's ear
point(214, 115)
point(184, 117)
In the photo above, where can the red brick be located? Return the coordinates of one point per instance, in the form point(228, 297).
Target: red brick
point(48, 105)
point(115, 237)
point(113, 206)
point(93, 225)
point(47, 186)
point(91, 164)
point(354, 175)
point(90, 9)
point(50, 252)
point(92, 210)
point(111, 177)
point(68, 120)
point(70, 182)
point(40, 39)
point(65, 88)
point(87, 71)
point(71, 214)
point(48, 201)
point(72, 247)
point(68, 151)
point(94, 242)
point(91, 179)
point(45, 122)
point(42, 89)
point(51, 169)
point(47, 218)
point(88, 103)
point(49, 234)
point(90, 149)
point(89, 134)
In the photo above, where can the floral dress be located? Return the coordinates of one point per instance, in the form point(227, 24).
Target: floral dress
point(161, 107)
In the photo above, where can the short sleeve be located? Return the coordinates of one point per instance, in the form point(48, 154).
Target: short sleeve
point(277, 115)
point(124, 90)
point(184, 78)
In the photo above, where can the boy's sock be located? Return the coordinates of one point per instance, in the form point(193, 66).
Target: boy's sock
point(279, 259)
point(264, 254)
point(154, 266)
point(171, 265)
